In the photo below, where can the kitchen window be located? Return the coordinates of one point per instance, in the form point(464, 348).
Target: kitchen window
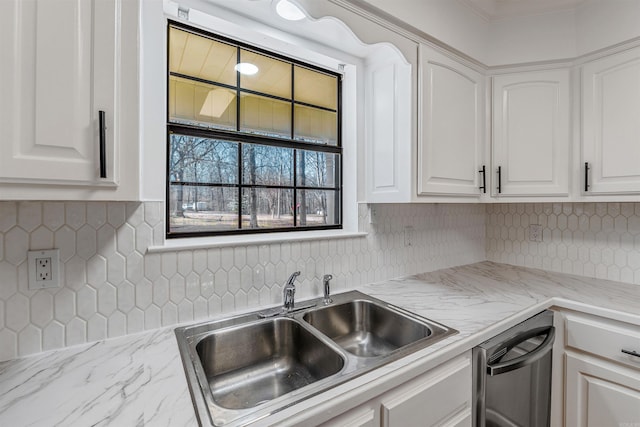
point(253, 139)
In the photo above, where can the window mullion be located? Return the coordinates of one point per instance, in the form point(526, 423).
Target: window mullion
point(295, 151)
point(240, 159)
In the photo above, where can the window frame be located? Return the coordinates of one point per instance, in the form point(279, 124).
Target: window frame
point(241, 138)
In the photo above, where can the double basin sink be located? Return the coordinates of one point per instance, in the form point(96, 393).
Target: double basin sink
point(245, 368)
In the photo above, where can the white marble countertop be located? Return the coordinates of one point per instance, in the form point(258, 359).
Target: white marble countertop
point(138, 380)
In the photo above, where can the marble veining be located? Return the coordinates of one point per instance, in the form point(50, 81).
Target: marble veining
point(139, 380)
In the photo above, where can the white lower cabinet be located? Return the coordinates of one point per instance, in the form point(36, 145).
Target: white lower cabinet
point(433, 399)
point(600, 393)
point(602, 383)
point(439, 397)
point(362, 416)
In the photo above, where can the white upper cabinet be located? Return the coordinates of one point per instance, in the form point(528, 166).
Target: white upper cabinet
point(611, 124)
point(388, 127)
point(63, 64)
point(531, 133)
point(450, 148)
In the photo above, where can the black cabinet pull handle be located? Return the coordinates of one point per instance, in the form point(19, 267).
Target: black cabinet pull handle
point(586, 176)
point(483, 171)
point(499, 179)
point(630, 352)
point(103, 143)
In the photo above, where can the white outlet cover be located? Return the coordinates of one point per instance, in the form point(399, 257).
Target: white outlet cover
point(535, 233)
point(32, 257)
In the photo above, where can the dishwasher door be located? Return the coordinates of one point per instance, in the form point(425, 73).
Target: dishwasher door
point(512, 376)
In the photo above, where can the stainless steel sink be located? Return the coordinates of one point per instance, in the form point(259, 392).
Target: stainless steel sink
point(245, 368)
point(367, 329)
point(251, 364)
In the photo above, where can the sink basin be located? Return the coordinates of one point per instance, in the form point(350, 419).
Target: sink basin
point(244, 368)
point(366, 329)
point(252, 364)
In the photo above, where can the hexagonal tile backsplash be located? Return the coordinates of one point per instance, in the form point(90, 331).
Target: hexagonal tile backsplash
point(600, 240)
point(113, 286)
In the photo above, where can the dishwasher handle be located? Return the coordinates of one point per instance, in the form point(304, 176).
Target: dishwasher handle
point(525, 359)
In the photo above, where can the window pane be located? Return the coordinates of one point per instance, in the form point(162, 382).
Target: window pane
point(202, 160)
point(313, 87)
point(316, 169)
point(201, 57)
point(314, 125)
point(201, 104)
point(318, 208)
point(264, 165)
point(198, 209)
point(267, 208)
point(265, 116)
point(273, 76)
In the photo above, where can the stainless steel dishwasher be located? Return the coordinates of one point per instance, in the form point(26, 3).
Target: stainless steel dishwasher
point(512, 375)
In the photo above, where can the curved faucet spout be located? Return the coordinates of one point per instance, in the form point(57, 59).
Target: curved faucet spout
point(289, 292)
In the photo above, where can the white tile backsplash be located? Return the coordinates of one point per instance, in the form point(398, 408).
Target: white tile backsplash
point(600, 240)
point(113, 287)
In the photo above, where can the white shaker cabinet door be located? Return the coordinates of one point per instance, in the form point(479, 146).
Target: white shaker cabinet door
point(441, 397)
point(531, 133)
point(600, 393)
point(451, 126)
point(58, 71)
point(611, 124)
point(388, 106)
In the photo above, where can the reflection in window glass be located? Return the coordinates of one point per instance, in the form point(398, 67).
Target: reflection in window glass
point(196, 103)
point(315, 125)
point(313, 87)
point(273, 76)
point(201, 57)
point(265, 116)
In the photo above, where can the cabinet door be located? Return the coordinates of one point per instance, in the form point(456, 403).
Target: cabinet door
point(451, 126)
point(610, 124)
point(531, 133)
point(364, 416)
point(440, 397)
point(388, 102)
point(600, 393)
point(58, 70)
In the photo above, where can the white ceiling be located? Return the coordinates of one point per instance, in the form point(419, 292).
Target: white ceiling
point(492, 9)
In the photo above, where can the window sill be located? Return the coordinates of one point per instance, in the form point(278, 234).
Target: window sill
point(262, 239)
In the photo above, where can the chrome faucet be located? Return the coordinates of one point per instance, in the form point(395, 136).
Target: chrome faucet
point(289, 292)
point(325, 281)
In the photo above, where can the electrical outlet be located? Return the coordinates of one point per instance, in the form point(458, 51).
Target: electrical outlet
point(44, 269)
point(373, 215)
point(408, 235)
point(535, 233)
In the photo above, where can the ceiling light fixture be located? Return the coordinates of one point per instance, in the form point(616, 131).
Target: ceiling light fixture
point(246, 68)
point(289, 11)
